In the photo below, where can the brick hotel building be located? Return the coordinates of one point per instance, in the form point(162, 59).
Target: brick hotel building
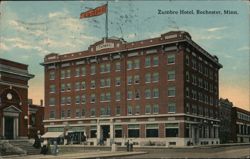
point(159, 91)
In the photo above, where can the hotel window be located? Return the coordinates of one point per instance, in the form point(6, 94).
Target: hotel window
point(187, 60)
point(187, 76)
point(211, 87)
point(194, 95)
point(200, 110)
point(92, 84)
point(211, 100)
point(62, 74)
point(63, 100)
point(68, 113)
point(147, 78)
point(148, 109)
point(118, 131)
point(52, 114)
point(171, 59)
point(78, 99)
point(171, 130)
point(52, 75)
point(102, 82)
point(117, 96)
point(171, 92)
point(137, 94)
point(155, 93)
point(117, 81)
point(83, 85)
point(118, 110)
point(187, 108)
point(52, 88)
point(211, 74)
point(155, 108)
point(77, 72)
point(68, 73)
point(93, 98)
point(102, 66)
point(129, 65)
point(102, 97)
point(52, 101)
point(194, 64)
point(108, 82)
point(107, 69)
point(187, 92)
point(68, 87)
point(171, 75)
point(117, 66)
point(137, 109)
point(152, 130)
point(92, 70)
point(102, 111)
point(62, 114)
point(83, 71)
point(155, 77)
point(133, 131)
point(200, 67)
point(130, 95)
point(130, 80)
point(136, 64)
point(155, 61)
point(83, 99)
point(77, 86)
point(129, 110)
point(68, 100)
point(93, 131)
point(108, 96)
point(194, 109)
point(206, 71)
point(62, 87)
point(147, 93)
point(78, 115)
point(136, 79)
point(171, 107)
point(147, 62)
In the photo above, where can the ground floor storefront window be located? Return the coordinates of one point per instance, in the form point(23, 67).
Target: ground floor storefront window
point(171, 130)
point(133, 130)
point(152, 130)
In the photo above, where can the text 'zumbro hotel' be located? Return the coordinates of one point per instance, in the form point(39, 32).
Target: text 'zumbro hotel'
point(162, 90)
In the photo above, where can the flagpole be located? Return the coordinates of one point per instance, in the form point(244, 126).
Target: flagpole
point(106, 23)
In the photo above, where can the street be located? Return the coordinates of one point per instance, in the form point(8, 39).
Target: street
point(216, 152)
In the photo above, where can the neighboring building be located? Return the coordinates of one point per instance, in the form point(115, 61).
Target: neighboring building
point(13, 99)
point(240, 125)
point(225, 111)
point(161, 91)
point(36, 116)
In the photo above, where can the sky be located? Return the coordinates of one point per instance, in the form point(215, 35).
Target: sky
point(29, 30)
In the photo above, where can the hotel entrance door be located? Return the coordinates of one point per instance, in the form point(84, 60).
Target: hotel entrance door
point(9, 127)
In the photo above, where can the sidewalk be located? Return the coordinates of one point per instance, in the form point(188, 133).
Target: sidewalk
point(98, 154)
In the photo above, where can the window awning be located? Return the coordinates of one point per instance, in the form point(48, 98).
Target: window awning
point(52, 135)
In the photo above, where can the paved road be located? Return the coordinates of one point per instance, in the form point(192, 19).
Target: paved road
point(220, 152)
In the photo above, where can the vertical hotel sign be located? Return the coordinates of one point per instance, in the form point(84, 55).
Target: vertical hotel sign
point(94, 12)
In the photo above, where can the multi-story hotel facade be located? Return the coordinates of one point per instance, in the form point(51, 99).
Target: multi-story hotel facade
point(14, 79)
point(240, 125)
point(159, 91)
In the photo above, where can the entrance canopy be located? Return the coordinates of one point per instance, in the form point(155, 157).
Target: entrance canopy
point(52, 135)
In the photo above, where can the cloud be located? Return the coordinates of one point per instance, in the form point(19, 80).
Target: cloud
point(243, 48)
point(216, 29)
point(4, 47)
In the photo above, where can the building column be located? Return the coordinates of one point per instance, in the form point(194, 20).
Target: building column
point(98, 131)
point(3, 126)
point(17, 127)
point(111, 130)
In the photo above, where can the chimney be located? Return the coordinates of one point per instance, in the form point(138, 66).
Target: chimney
point(41, 102)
